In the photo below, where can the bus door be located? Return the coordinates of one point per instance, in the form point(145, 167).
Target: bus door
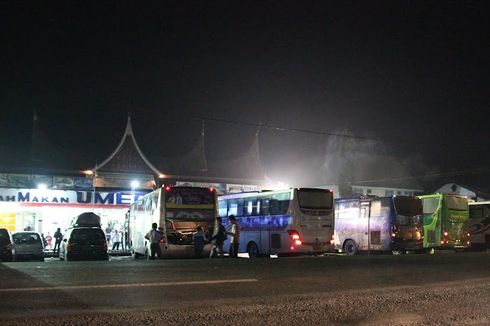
point(265, 226)
point(363, 228)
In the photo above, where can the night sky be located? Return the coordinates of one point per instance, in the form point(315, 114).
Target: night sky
point(413, 76)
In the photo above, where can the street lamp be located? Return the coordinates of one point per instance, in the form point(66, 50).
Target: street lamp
point(42, 186)
point(134, 184)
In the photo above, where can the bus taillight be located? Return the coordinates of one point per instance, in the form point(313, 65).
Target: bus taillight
point(294, 235)
point(212, 189)
point(167, 188)
point(332, 240)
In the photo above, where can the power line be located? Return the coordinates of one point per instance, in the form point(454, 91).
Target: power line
point(278, 128)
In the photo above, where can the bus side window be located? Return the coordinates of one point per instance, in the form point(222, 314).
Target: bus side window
point(274, 207)
point(264, 207)
point(248, 207)
point(223, 208)
point(233, 207)
point(375, 208)
point(278, 207)
point(241, 209)
point(257, 206)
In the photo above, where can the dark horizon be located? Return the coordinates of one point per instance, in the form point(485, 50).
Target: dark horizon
point(412, 77)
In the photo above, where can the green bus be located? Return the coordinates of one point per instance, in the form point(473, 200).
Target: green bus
point(445, 221)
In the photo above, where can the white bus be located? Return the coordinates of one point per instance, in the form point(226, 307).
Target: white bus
point(283, 222)
point(379, 224)
point(479, 225)
point(179, 211)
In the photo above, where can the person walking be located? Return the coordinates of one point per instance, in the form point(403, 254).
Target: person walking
point(218, 239)
point(199, 239)
point(154, 236)
point(116, 240)
point(235, 237)
point(58, 237)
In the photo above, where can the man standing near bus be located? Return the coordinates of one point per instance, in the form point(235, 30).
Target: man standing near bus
point(218, 240)
point(154, 236)
point(235, 236)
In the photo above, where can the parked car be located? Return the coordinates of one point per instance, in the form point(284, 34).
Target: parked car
point(28, 245)
point(6, 247)
point(84, 243)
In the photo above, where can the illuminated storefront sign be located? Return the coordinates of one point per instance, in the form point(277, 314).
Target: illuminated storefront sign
point(68, 197)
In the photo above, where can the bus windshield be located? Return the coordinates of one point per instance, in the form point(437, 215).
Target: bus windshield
point(408, 206)
point(457, 203)
point(430, 205)
point(315, 199)
point(190, 196)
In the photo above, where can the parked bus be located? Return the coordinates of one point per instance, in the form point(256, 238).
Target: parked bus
point(283, 222)
point(179, 211)
point(479, 225)
point(445, 221)
point(378, 224)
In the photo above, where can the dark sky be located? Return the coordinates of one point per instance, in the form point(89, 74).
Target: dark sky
point(414, 75)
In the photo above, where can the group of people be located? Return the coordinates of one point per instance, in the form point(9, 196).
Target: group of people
point(218, 239)
point(155, 236)
point(48, 240)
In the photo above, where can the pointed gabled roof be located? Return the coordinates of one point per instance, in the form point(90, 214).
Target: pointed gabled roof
point(247, 166)
point(195, 160)
point(127, 158)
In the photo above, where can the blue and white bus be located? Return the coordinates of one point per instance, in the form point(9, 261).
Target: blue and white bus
point(283, 222)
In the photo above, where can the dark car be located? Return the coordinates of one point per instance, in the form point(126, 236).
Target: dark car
point(6, 247)
point(84, 243)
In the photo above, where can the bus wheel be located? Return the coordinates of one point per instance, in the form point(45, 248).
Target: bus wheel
point(397, 252)
point(134, 254)
point(350, 248)
point(252, 250)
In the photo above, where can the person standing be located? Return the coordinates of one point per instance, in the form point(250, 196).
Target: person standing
point(235, 236)
point(218, 240)
point(49, 240)
point(154, 236)
point(199, 239)
point(58, 237)
point(116, 240)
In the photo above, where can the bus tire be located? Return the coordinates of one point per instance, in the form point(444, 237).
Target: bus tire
point(134, 254)
point(397, 252)
point(350, 247)
point(252, 250)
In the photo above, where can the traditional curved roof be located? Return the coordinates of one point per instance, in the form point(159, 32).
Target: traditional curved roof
point(128, 157)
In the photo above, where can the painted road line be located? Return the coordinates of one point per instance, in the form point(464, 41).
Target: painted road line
point(131, 285)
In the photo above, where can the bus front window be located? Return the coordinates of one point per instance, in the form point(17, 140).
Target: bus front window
point(408, 206)
point(315, 199)
point(457, 203)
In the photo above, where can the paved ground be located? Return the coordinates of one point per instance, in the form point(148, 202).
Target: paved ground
point(399, 290)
